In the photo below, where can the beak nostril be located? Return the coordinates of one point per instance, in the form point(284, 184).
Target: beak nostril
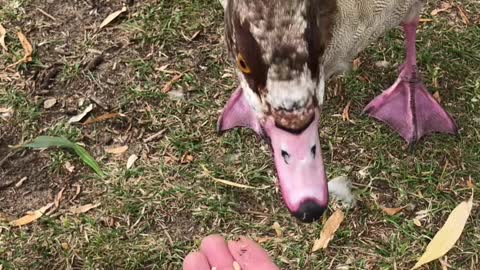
point(286, 156)
point(313, 150)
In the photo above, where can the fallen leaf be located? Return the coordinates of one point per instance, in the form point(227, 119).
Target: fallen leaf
point(186, 158)
point(3, 32)
point(437, 97)
point(116, 150)
point(392, 211)
point(31, 217)
point(278, 229)
point(80, 116)
point(346, 112)
point(168, 87)
point(443, 8)
point(83, 209)
point(448, 235)
point(112, 17)
point(49, 103)
point(329, 229)
point(27, 48)
point(131, 160)
point(470, 182)
point(102, 118)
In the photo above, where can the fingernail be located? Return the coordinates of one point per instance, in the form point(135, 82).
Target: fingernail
point(236, 266)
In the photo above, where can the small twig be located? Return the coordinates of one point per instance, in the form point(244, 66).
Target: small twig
point(154, 136)
point(46, 14)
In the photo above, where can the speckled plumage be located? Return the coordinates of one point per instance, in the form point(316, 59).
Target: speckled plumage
point(360, 22)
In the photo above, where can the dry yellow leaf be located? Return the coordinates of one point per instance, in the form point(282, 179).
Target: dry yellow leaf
point(116, 150)
point(27, 47)
point(448, 235)
point(392, 211)
point(83, 208)
point(329, 229)
point(278, 229)
point(31, 217)
point(186, 158)
point(3, 32)
point(112, 17)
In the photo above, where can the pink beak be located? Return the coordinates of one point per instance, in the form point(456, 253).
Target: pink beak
point(298, 158)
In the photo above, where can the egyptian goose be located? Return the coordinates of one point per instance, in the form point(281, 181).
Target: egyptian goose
point(285, 50)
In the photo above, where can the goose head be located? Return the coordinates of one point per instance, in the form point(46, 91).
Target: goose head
point(276, 47)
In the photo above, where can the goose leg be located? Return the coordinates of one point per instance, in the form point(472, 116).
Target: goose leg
point(407, 106)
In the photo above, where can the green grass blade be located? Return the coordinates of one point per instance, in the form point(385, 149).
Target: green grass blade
point(50, 141)
point(88, 159)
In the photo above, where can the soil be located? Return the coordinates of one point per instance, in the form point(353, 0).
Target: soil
point(66, 42)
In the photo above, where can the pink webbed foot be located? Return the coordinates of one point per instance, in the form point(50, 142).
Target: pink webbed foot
point(407, 106)
point(217, 254)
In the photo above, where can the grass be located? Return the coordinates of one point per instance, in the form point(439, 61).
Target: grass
point(153, 214)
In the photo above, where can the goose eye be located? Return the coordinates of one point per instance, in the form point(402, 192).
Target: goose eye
point(242, 64)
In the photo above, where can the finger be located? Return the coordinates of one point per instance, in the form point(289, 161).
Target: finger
point(216, 250)
point(196, 261)
point(250, 255)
